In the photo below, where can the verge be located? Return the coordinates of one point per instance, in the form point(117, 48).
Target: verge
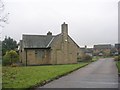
point(57, 77)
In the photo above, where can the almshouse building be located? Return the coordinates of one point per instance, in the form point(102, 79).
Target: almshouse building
point(49, 49)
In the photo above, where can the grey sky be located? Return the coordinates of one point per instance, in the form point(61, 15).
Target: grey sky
point(90, 21)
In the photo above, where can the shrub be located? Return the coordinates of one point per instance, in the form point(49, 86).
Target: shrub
point(85, 57)
point(10, 57)
point(14, 65)
point(117, 58)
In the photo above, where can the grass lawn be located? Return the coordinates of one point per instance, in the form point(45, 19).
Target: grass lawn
point(26, 77)
point(118, 65)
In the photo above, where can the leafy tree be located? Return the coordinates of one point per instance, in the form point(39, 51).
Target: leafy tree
point(113, 51)
point(8, 44)
point(106, 53)
point(96, 52)
point(86, 57)
point(10, 57)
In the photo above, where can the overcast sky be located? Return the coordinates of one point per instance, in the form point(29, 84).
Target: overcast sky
point(90, 21)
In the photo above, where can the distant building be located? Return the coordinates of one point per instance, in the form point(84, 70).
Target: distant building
point(102, 46)
point(117, 47)
point(87, 51)
point(83, 49)
point(102, 49)
point(49, 49)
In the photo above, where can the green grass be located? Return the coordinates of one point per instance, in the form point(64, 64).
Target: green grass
point(95, 58)
point(26, 77)
point(118, 65)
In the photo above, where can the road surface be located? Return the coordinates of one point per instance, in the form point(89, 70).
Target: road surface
point(100, 74)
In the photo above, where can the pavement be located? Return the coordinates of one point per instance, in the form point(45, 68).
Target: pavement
point(100, 74)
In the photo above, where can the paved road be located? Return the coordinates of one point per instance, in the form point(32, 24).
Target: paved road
point(99, 74)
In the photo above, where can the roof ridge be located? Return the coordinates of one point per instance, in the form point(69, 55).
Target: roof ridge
point(40, 35)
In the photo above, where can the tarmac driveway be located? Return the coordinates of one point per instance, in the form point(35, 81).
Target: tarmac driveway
point(100, 74)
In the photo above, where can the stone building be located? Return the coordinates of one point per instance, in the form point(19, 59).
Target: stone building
point(102, 49)
point(102, 46)
point(87, 51)
point(49, 49)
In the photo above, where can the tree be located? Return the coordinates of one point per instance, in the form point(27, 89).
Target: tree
point(8, 44)
point(10, 57)
point(84, 57)
point(106, 52)
point(96, 52)
point(117, 58)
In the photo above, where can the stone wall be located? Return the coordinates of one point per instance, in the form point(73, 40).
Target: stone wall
point(61, 55)
point(36, 56)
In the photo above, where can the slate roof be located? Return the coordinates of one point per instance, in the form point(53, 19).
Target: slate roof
point(102, 46)
point(38, 41)
point(41, 41)
point(86, 50)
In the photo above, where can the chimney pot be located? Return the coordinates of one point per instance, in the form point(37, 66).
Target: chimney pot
point(64, 28)
point(49, 33)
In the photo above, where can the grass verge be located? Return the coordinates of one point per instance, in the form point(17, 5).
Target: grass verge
point(95, 58)
point(118, 66)
point(31, 76)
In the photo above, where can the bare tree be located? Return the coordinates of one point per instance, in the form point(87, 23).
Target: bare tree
point(3, 17)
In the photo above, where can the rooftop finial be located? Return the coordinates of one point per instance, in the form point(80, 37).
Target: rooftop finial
point(64, 23)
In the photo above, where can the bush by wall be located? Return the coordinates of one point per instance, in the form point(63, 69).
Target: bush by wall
point(10, 57)
point(117, 58)
point(85, 57)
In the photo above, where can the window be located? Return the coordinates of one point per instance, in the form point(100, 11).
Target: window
point(40, 54)
point(35, 51)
